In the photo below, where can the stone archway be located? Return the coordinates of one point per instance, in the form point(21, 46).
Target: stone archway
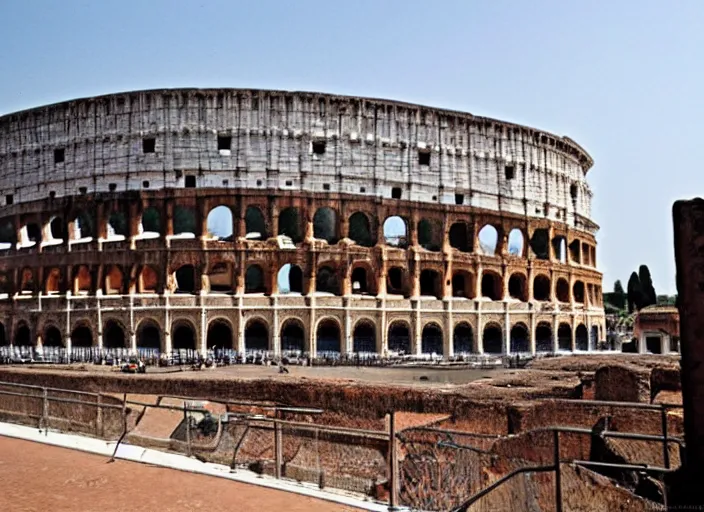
point(256, 336)
point(149, 335)
point(399, 338)
point(113, 335)
point(183, 337)
point(364, 337)
point(328, 337)
point(219, 335)
point(432, 340)
point(293, 337)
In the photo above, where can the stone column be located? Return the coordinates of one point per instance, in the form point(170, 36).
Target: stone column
point(101, 221)
point(240, 228)
point(168, 217)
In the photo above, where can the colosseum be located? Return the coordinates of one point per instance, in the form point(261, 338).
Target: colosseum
point(276, 221)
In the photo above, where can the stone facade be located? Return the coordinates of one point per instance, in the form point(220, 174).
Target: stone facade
point(105, 227)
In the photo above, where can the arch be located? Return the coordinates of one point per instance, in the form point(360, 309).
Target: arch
point(360, 229)
point(256, 335)
point(82, 336)
point(559, 247)
point(3, 336)
point(431, 339)
point(31, 234)
point(8, 234)
point(82, 281)
point(327, 336)
point(488, 240)
point(52, 337)
point(460, 237)
point(431, 283)
point(254, 280)
point(5, 284)
point(290, 279)
point(541, 287)
point(113, 280)
point(151, 221)
point(562, 290)
point(361, 280)
point(149, 335)
point(114, 335)
point(516, 243)
point(326, 281)
point(399, 337)
point(219, 334)
point(492, 287)
point(23, 336)
point(293, 336)
point(463, 284)
point(581, 338)
point(117, 225)
point(148, 280)
point(520, 339)
point(27, 284)
point(594, 338)
point(83, 226)
point(219, 223)
point(183, 336)
point(255, 224)
point(221, 277)
point(185, 277)
point(396, 232)
point(492, 339)
point(430, 234)
point(53, 281)
point(290, 224)
point(463, 338)
point(564, 337)
point(364, 337)
point(517, 287)
point(543, 337)
point(578, 292)
point(57, 230)
point(325, 225)
point(184, 220)
point(540, 244)
point(396, 282)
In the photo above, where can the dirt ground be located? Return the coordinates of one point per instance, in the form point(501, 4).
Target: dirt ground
point(37, 477)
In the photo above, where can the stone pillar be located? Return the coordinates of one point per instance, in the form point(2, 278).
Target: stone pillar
point(413, 229)
point(478, 283)
point(202, 218)
point(529, 278)
point(101, 220)
point(555, 328)
point(240, 228)
point(415, 276)
point(381, 276)
point(168, 217)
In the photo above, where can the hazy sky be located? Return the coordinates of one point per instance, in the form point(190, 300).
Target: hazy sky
point(625, 79)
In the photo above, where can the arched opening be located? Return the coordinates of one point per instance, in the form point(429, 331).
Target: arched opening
point(52, 337)
point(564, 337)
point(594, 338)
point(360, 284)
point(219, 223)
point(326, 281)
point(254, 280)
point(83, 226)
point(575, 251)
point(559, 247)
point(290, 279)
point(221, 278)
point(151, 221)
point(148, 280)
point(431, 340)
point(328, 337)
point(364, 338)
point(516, 243)
point(396, 232)
point(562, 290)
point(293, 337)
point(541, 288)
point(517, 287)
point(255, 224)
point(399, 338)
point(184, 221)
point(492, 339)
point(430, 234)
point(219, 335)
point(149, 335)
point(543, 337)
point(113, 335)
point(581, 338)
point(53, 282)
point(5, 285)
point(578, 292)
point(460, 237)
point(8, 235)
point(82, 282)
point(117, 226)
point(396, 282)
point(183, 337)
point(31, 234)
point(491, 286)
point(27, 284)
point(290, 224)
point(360, 230)
point(81, 336)
point(463, 284)
point(185, 279)
point(463, 339)
point(256, 336)
point(488, 240)
point(57, 229)
point(520, 339)
point(3, 337)
point(113, 280)
point(325, 225)
point(430, 284)
point(540, 244)
point(23, 336)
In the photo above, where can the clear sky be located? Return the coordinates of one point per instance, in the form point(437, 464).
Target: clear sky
point(624, 78)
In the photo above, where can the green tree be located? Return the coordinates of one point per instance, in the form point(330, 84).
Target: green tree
point(646, 286)
point(634, 293)
point(618, 298)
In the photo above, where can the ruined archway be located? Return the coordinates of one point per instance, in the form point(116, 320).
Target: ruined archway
point(183, 336)
point(562, 290)
point(3, 337)
point(184, 221)
point(326, 281)
point(27, 283)
point(360, 280)
point(52, 337)
point(518, 287)
point(492, 339)
point(254, 280)
point(460, 237)
point(540, 244)
point(396, 232)
point(543, 337)
point(488, 240)
point(256, 336)
point(82, 280)
point(594, 338)
point(360, 229)
point(290, 279)
point(541, 288)
point(113, 280)
point(520, 339)
point(328, 337)
point(364, 337)
point(185, 279)
point(23, 336)
point(463, 284)
point(431, 339)
point(149, 335)
point(151, 221)
point(491, 286)
point(221, 278)
point(219, 335)
point(53, 282)
point(431, 284)
point(219, 223)
point(290, 224)
point(516, 243)
point(564, 337)
point(430, 234)
point(8, 234)
point(399, 338)
point(255, 224)
point(578, 292)
point(463, 339)
point(325, 225)
point(82, 336)
point(148, 280)
point(57, 230)
point(83, 226)
point(113, 335)
point(117, 227)
point(293, 337)
point(581, 338)
point(559, 248)
point(396, 282)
